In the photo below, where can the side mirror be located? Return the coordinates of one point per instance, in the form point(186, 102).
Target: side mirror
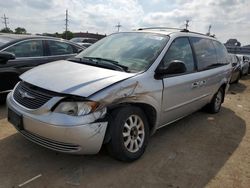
point(6, 56)
point(175, 67)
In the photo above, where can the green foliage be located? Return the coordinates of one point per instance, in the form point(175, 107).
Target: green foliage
point(6, 30)
point(20, 30)
point(69, 35)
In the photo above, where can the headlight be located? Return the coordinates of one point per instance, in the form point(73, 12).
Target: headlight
point(76, 108)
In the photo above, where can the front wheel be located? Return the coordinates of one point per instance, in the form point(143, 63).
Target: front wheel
point(129, 134)
point(215, 105)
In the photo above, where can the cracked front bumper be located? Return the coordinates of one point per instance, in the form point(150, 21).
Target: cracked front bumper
point(58, 131)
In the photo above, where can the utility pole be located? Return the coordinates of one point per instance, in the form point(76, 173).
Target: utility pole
point(187, 25)
point(118, 26)
point(209, 30)
point(5, 21)
point(66, 25)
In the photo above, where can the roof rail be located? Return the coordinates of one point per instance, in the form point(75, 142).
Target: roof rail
point(208, 35)
point(172, 28)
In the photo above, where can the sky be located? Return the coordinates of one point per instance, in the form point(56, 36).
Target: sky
point(228, 18)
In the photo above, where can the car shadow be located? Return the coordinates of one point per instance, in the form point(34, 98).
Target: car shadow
point(188, 153)
point(247, 77)
point(237, 88)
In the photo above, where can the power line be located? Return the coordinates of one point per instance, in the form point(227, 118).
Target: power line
point(118, 26)
point(5, 21)
point(66, 24)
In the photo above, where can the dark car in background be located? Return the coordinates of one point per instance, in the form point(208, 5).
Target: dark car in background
point(236, 72)
point(86, 42)
point(19, 53)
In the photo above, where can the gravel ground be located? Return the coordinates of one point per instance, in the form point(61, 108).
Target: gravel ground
point(201, 150)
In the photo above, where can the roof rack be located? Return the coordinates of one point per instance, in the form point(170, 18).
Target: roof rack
point(179, 29)
point(172, 28)
point(213, 36)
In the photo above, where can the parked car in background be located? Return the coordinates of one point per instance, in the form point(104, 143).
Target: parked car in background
point(236, 71)
point(86, 42)
point(29, 51)
point(244, 64)
point(248, 63)
point(119, 91)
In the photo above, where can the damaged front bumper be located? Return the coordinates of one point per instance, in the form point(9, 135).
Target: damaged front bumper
point(59, 132)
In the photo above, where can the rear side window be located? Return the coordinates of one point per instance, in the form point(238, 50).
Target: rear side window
point(222, 55)
point(60, 48)
point(31, 48)
point(180, 50)
point(205, 53)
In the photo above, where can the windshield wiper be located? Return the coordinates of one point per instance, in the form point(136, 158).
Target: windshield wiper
point(109, 61)
point(82, 60)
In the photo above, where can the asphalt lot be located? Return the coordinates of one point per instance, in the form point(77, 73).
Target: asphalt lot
point(201, 150)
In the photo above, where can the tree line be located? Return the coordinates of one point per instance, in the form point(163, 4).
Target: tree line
point(18, 30)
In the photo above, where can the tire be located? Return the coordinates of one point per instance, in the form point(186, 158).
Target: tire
point(215, 105)
point(129, 133)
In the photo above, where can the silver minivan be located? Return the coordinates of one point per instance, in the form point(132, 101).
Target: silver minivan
point(119, 91)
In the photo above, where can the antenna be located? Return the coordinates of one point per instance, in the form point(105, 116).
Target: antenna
point(209, 30)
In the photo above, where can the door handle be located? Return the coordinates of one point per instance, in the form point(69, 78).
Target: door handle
point(203, 82)
point(195, 84)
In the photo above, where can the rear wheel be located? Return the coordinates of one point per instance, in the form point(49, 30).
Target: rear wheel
point(129, 134)
point(215, 105)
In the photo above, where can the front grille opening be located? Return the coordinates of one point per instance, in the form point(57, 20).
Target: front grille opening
point(50, 144)
point(30, 96)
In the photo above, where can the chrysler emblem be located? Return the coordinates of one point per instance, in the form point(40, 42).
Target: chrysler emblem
point(24, 94)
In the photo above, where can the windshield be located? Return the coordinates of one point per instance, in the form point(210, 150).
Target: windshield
point(137, 51)
point(4, 40)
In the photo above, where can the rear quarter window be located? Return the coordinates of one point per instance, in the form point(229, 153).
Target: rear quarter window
point(222, 55)
point(205, 53)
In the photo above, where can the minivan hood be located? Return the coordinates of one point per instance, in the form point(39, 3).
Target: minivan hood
point(73, 78)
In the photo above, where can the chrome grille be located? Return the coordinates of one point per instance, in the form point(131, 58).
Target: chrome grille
point(30, 96)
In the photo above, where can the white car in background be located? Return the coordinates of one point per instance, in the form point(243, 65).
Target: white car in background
point(82, 41)
point(244, 64)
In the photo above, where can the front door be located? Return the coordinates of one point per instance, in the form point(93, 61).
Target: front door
point(182, 93)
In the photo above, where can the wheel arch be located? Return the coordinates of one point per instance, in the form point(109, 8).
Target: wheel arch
point(223, 86)
point(149, 111)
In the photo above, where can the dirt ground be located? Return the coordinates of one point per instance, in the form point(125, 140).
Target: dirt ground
point(201, 150)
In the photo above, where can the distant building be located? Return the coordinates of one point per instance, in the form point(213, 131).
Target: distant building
point(234, 46)
point(89, 35)
point(238, 50)
point(80, 34)
point(232, 42)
